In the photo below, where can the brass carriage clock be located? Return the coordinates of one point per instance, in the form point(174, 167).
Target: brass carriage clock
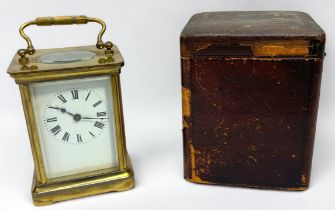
point(72, 104)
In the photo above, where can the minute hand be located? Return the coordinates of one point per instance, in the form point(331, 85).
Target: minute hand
point(95, 118)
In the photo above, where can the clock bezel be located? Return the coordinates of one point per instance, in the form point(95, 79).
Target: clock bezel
point(46, 191)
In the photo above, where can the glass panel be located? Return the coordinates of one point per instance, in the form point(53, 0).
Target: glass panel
point(75, 122)
point(66, 57)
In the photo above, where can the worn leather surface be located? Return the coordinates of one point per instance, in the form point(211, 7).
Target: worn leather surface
point(252, 23)
point(248, 120)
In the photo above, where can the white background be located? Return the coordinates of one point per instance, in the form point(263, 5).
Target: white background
point(147, 33)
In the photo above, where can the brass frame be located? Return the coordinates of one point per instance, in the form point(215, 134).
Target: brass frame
point(47, 191)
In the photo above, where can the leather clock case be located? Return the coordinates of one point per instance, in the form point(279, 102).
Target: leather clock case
point(250, 85)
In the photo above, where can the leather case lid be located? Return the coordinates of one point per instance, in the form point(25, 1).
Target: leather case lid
point(254, 24)
point(269, 33)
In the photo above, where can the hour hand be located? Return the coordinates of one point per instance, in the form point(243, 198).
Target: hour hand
point(63, 110)
point(52, 107)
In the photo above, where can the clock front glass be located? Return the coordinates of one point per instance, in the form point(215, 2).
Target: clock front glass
point(75, 123)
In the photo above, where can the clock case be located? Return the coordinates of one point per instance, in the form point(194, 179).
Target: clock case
point(27, 70)
point(250, 85)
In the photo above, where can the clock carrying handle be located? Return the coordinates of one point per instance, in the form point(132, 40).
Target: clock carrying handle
point(63, 20)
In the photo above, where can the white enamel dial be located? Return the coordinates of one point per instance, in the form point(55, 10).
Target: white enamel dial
point(75, 123)
point(76, 115)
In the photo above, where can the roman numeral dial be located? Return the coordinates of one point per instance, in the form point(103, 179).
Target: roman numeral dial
point(61, 97)
point(53, 119)
point(55, 130)
point(97, 103)
point(66, 136)
point(99, 124)
point(79, 139)
point(77, 115)
point(101, 114)
point(74, 94)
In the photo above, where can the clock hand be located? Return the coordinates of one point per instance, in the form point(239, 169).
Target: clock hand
point(77, 117)
point(61, 109)
point(95, 118)
point(52, 107)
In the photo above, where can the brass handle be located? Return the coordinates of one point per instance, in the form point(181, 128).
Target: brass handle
point(63, 20)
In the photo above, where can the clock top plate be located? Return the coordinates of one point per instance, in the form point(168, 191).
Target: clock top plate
point(97, 60)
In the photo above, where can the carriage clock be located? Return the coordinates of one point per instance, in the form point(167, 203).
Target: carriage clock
point(72, 103)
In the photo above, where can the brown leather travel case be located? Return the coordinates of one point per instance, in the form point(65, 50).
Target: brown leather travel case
point(250, 87)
